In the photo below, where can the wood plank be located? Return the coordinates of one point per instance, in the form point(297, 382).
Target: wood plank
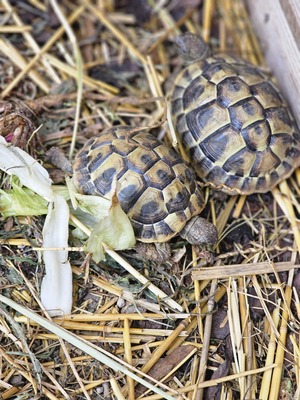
point(277, 23)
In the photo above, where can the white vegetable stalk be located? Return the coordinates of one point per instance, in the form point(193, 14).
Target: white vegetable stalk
point(56, 291)
point(15, 161)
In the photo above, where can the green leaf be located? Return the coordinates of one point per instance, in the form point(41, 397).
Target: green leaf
point(21, 201)
point(97, 206)
point(108, 222)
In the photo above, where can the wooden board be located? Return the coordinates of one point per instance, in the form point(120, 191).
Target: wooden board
point(277, 24)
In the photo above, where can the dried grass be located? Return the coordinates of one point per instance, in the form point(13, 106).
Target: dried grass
point(140, 314)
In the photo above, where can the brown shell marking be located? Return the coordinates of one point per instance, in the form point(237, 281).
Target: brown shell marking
point(237, 129)
point(155, 188)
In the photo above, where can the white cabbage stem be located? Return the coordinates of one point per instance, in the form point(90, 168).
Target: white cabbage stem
point(56, 290)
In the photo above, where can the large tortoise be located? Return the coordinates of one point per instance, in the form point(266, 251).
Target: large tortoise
point(232, 121)
point(156, 189)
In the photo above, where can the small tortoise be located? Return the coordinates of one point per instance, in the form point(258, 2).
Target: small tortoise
point(156, 189)
point(237, 130)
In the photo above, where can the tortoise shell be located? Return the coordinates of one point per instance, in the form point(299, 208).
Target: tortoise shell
point(237, 130)
point(156, 189)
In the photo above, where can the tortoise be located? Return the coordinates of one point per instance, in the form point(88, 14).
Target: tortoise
point(156, 189)
point(232, 121)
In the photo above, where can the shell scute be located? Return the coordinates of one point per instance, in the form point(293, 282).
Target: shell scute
point(250, 74)
point(159, 176)
point(232, 90)
point(141, 162)
point(218, 70)
point(267, 95)
point(199, 93)
point(245, 113)
point(240, 163)
point(168, 155)
point(257, 136)
point(203, 121)
point(264, 160)
point(221, 144)
point(100, 157)
point(176, 197)
point(131, 187)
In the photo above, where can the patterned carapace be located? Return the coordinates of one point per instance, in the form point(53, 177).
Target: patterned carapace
point(156, 189)
point(234, 125)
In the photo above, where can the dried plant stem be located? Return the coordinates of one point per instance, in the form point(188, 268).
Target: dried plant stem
point(191, 323)
point(55, 383)
point(164, 347)
point(246, 333)
point(15, 56)
point(116, 389)
point(277, 373)
point(79, 69)
point(266, 381)
point(223, 218)
point(239, 206)
point(19, 368)
point(234, 270)
point(116, 32)
point(78, 11)
point(159, 293)
point(257, 287)
point(71, 364)
point(105, 329)
point(206, 340)
point(197, 292)
point(15, 29)
point(101, 87)
point(120, 317)
point(285, 198)
point(27, 35)
point(214, 382)
point(243, 34)
point(100, 283)
point(208, 10)
point(236, 334)
point(251, 384)
point(128, 358)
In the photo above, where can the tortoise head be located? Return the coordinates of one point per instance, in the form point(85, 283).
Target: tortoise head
point(199, 231)
point(192, 47)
